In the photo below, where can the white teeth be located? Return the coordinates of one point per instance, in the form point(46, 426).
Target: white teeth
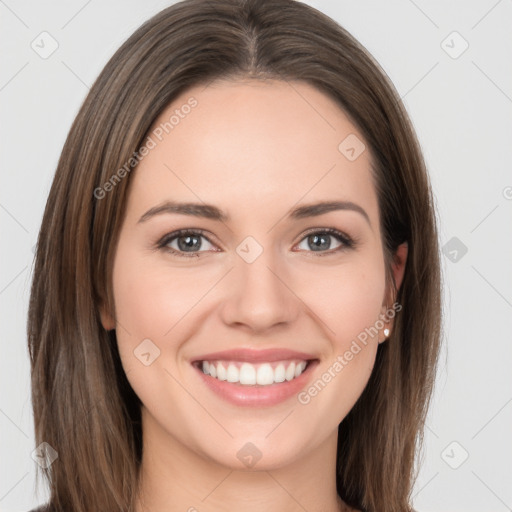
point(248, 374)
point(300, 368)
point(233, 375)
point(221, 372)
point(290, 371)
point(280, 373)
point(265, 375)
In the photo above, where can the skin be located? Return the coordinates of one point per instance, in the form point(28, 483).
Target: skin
point(255, 150)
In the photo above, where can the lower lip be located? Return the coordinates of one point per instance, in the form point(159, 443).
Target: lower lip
point(258, 396)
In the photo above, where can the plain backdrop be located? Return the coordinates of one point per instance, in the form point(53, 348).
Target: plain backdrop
point(450, 62)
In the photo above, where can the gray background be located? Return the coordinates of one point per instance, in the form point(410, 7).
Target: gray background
point(460, 104)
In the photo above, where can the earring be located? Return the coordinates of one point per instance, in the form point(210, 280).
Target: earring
point(386, 332)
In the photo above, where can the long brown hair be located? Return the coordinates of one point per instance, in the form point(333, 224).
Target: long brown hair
point(83, 405)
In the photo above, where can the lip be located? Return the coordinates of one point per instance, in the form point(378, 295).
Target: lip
point(255, 356)
point(256, 396)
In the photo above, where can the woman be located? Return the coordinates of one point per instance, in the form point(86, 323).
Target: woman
point(236, 294)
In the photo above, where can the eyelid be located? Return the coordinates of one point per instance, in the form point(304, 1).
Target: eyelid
point(330, 231)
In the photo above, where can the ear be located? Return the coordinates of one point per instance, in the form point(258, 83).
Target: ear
point(398, 265)
point(107, 320)
point(398, 269)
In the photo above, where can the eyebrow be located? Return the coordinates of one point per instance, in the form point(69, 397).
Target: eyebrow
point(209, 211)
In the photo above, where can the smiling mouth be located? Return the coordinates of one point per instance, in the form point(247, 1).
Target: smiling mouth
point(249, 374)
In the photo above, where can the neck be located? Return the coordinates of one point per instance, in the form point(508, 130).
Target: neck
point(173, 477)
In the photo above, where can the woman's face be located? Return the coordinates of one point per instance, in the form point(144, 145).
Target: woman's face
point(259, 289)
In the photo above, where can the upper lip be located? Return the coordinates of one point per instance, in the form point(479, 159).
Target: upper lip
point(251, 355)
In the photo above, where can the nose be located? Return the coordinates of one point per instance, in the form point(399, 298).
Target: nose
point(258, 295)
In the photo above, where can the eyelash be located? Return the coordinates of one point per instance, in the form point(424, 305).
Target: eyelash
point(347, 242)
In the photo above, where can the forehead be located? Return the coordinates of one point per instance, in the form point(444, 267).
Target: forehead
point(254, 145)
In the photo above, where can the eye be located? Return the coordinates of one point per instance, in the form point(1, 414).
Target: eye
point(184, 242)
point(320, 241)
point(188, 242)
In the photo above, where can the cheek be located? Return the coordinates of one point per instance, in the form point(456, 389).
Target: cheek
point(151, 299)
point(152, 307)
point(150, 296)
point(349, 303)
point(349, 307)
point(347, 300)
point(149, 303)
